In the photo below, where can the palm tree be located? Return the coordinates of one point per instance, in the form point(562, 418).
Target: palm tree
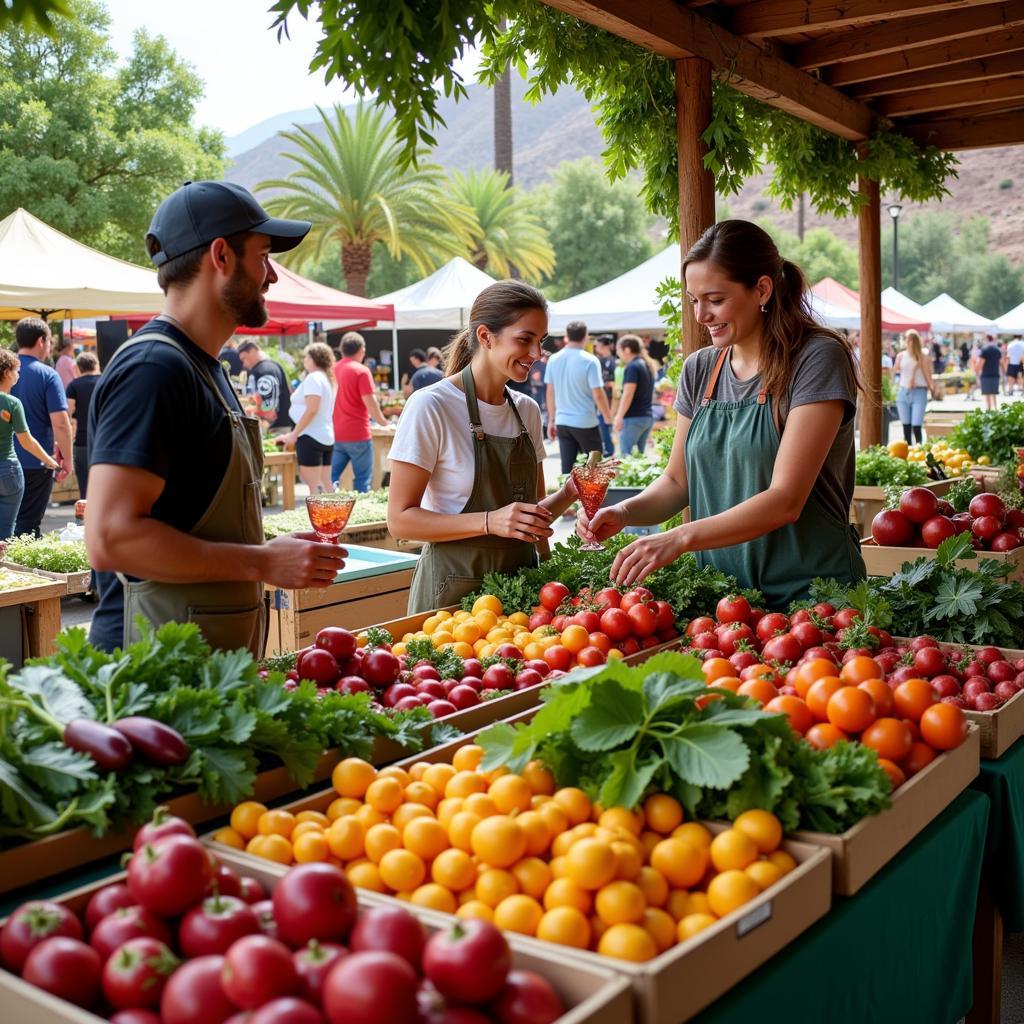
point(356, 190)
point(510, 239)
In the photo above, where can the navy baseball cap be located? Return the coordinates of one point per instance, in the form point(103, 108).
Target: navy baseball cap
point(200, 211)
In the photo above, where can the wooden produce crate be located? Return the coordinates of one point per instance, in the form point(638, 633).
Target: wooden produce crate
point(986, 477)
point(373, 586)
point(591, 994)
point(869, 501)
point(39, 608)
point(860, 852)
point(686, 978)
point(941, 424)
point(886, 561)
point(74, 582)
point(1001, 728)
point(281, 466)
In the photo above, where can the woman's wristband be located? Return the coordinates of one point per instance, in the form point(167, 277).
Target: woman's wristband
point(487, 529)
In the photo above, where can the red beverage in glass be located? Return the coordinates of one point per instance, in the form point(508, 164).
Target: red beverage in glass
point(592, 486)
point(329, 515)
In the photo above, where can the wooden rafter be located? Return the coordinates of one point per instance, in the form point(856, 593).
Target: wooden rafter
point(922, 57)
point(947, 97)
point(676, 32)
point(971, 110)
point(908, 32)
point(969, 133)
point(763, 18)
point(952, 74)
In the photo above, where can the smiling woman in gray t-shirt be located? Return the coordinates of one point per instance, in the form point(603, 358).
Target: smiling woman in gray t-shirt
point(764, 447)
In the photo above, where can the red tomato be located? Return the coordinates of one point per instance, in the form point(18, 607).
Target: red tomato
point(616, 623)
point(162, 826)
point(607, 598)
point(628, 646)
point(314, 901)
point(215, 924)
point(590, 621)
point(734, 608)
point(553, 594)
point(784, 647)
point(937, 529)
point(312, 965)
point(29, 925)
point(319, 666)
point(591, 656)
point(527, 998)
point(390, 929)
point(987, 504)
point(252, 890)
point(171, 876)
point(371, 987)
point(731, 633)
point(558, 657)
point(66, 968)
point(336, 641)
point(468, 962)
point(666, 616)
point(807, 634)
point(135, 976)
point(603, 642)
point(771, 625)
point(701, 624)
point(193, 995)
point(257, 969)
point(919, 504)
point(127, 923)
point(106, 901)
point(643, 618)
point(638, 595)
point(287, 1010)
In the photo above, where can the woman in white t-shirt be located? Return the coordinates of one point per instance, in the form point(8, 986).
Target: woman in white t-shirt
point(467, 461)
point(312, 407)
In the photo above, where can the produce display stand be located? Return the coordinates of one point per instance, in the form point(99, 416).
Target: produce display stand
point(283, 465)
point(74, 582)
point(868, 501)
point(913, 920)
point(382, 439)
point(680, 982)
point(40, 612)
point(374, 585)
point(861, 852)
point(942, 424)
point(369, 535)
point(887, 561)
point(591, 994)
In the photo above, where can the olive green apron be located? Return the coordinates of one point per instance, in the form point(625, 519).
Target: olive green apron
point(731, 449)
point(505, 470)
point(230, 614)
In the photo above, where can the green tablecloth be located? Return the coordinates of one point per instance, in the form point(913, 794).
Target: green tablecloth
point(900, 950)
point(1002, 782)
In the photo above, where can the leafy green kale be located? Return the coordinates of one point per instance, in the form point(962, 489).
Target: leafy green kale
point(448, 664)
point(876, 468)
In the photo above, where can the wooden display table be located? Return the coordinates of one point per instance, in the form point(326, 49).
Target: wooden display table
point(382, 438)
point(74, 582)
point(284, 465)
point(40, 613)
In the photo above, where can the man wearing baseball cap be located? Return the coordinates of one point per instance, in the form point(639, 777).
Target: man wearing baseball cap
point(174, 525)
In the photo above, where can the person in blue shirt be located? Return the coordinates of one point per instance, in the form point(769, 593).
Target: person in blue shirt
point(575, 395)
point(635, 417)
point(41, 393)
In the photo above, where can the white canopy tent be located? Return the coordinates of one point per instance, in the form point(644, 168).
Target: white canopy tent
point(441, 301)
point(1012, 322)
point(946, 314)
point(43, 271)
point(902, 304)
point(628, 302)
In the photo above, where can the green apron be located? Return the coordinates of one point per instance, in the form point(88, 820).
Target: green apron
point(230, 614)
point(731, 449)
point(505, 470)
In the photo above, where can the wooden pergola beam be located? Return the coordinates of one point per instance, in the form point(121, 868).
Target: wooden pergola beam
point(948, 97)
point(969, 132)
point(763, 18)
point(1000, 66)
point(961, 113)
point(922, 57)
point(677, 32)
point(908, 32)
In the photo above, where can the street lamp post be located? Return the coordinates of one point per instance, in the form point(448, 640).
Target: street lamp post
point(894, 211)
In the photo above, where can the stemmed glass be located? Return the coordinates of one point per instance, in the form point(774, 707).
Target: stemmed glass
point(592, 482)
point(329, 514)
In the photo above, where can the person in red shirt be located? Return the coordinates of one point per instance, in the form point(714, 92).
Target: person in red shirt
point(355, 404)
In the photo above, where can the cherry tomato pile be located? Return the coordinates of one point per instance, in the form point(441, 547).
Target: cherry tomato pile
point(925, 521)
point(185, 941)
point(515, 851)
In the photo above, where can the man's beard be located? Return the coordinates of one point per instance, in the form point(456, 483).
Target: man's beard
point(244, 299)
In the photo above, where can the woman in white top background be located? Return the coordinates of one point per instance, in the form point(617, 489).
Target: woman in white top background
point(914, 367)
point(312, 406)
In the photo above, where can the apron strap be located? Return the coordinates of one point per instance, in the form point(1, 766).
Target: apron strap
point(709, 391)
point(473, 406)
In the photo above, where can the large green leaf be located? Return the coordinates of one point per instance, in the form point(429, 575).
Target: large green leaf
point(614, 716)
point(707, 755)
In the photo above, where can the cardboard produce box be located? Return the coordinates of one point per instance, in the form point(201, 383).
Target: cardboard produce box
point(886, 561)
point(860, 852)
point(591, 994)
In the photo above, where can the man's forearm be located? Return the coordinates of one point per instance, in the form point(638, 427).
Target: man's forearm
point(373, 406)
point(62, 435)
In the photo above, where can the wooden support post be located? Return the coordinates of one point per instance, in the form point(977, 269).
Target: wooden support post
point(870, 231)
point(696, 183)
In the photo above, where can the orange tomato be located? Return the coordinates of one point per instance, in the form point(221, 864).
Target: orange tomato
point(894, 771)
point(758, 689)
point(575, 638)
point(601, 641)
point(943, 726)
point(912, 697)
point(890, 738)
point(810, 671)
point(717, 668)
point(882, 692)
point(819, 693)
point(799, 715)
point(860, 669)
point(760, 670)
point(824, 735)
point(851, 709)
point(920, 756)
point(730, 683)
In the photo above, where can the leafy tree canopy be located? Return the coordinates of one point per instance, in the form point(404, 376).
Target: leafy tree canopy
point(33, 15)
point(820, 254)
point(91, 150)
point(403, 49)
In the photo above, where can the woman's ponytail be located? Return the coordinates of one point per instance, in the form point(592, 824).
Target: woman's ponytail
point(458, 353)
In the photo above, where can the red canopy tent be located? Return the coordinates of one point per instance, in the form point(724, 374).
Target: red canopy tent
point(829, 289)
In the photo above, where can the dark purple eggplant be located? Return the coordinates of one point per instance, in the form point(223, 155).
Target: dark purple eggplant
point(153, 741)
point(106, 746)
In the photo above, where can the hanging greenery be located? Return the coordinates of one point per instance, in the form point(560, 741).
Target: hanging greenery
point(403, 49)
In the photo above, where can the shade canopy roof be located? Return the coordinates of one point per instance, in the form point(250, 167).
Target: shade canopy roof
point(441, 301)
point(838, 294)
point(949, 315)
point(903, 304)
point(1012, 322)
point(293, 297)
point(43, 271)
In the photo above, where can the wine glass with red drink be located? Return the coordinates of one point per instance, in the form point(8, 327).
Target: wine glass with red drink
point(592, 482)
point(329, 514)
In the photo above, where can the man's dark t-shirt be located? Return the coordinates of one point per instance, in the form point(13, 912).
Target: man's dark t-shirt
point(267, 380)
point(637, 372)
point(991, 357)
point(232, 358)
point(608, 364)
point(425, 376)
point(152, 410)
point(81, 389)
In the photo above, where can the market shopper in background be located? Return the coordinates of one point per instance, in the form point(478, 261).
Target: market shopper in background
point(1014, 364)
point(575, 395)
point(312, 408)
point(467, 470)
point(431, 372)
point(13, 426)
point(265, 379)
point(355, 404)
point(174, 526)
point(989, 364)
point(913, 366)
point(635, 415)
point(604, 349)
point(79, 395)
point(417, 358)
point(41, 393)
point(65, 362)
point(764, 444)
point(229, 356)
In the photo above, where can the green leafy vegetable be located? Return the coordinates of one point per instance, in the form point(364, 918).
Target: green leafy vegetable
point(997, 433)
point(48, 552)
point(876, 468)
